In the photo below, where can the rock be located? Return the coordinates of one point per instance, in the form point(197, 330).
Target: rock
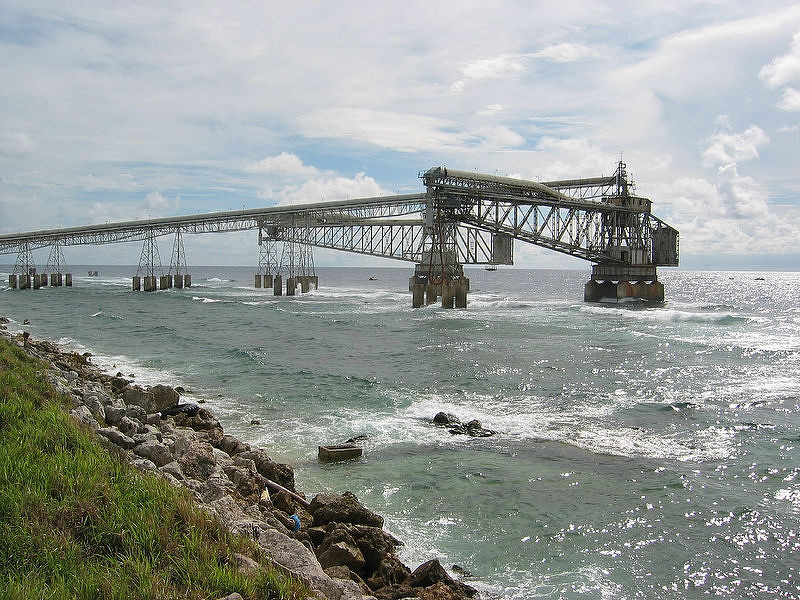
point(474, 428)
point(279, 473)
point(174, 469)
point(249, 483)
point(155, 451)
point(344, 508)
point(461, 571)
point(136, 412)
point(128, 426)
point(143, 464)
point(203, 421)
point(163, 397)
point(233, 596)
point(244, 564)
point(198, 462)
point(135, 395)
point(114, 414)
point(442, 418)
point(440, 591)
point(118, 383)
point(189, 409)
point(84, 415)
point(232, 446)
point(390, 572)
point(115, 436)
point(342, 572)
point(342, 553)
point(431, 573)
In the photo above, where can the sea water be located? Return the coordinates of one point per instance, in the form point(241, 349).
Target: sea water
point(641, 451)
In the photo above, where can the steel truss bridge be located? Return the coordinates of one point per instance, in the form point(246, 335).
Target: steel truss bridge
point(462, 218)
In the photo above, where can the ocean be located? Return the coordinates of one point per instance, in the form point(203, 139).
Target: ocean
point(641, 451)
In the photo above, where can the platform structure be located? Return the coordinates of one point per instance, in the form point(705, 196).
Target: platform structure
point(462, 218)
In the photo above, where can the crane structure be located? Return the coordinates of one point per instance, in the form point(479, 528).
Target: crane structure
point(462, 218)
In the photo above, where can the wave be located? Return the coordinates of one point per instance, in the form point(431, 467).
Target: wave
point(662, 315)
point(102, 313)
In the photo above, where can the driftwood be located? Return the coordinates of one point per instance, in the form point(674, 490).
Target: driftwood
point(279, 488)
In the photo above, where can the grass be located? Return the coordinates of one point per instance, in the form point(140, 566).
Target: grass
point(79, 523)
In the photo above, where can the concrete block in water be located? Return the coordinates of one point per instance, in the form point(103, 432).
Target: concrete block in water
point(12, 281)
point(257, 281)
point(277, 288)
point(68, 279)
point(291, 286)
point(136, 283)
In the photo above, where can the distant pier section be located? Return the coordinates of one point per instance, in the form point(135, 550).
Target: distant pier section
point(462, 218)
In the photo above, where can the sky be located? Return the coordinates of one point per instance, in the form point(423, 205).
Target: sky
point(116, 111)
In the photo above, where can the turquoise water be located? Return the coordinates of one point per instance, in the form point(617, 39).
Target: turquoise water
point(642, 452)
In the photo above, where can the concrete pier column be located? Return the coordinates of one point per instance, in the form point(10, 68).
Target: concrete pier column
point(277, 287)
point(257, 282)
point(315, 281)
point(448, 293)
point(150, 283)
point(37, 281)
point(432, 293)
point(170, 281)
point(461, 289)
point(187, 281)
point(417, 289)
point(291, 286)
point(163, 282)
point(267, 281)
point(43, 279)
point(136, 283)
point(68, 279)
point(56, 279)
point(12, 281)
point(305, 284)
point(178, 282)
point(24, 282)
point(596, 291)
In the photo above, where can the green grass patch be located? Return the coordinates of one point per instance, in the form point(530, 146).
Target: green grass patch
point(79, 523)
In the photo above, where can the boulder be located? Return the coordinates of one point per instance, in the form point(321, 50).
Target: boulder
point(231, 445)
point(128, 426)
point(342, 553)
point(342, 508)
point(115, 436)
point(443, 418)
point(432, 573)
point(143, 464)
point(155, 451)
point(249, 483)
point(133, 394)
point(473, 428)
point(279, 473)
point(84, 415)
point(163, 397)
point(198, 462)
point(203, 421)
point(114, 414)
point(189, 409)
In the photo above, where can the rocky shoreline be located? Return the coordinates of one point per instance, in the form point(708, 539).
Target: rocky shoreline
point(333, 543)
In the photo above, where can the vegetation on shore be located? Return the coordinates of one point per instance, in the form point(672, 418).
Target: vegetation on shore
point(77, 522)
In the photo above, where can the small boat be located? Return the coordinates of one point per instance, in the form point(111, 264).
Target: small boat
point(340, 452)
point(373, 278)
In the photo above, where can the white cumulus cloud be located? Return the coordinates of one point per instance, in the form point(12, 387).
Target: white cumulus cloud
point(285, 164)
point(728, 147)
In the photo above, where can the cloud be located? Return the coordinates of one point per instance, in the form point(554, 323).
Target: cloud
point(330, 188)
point(285, 164)
point(785, 68)
point(790, 102)
point(727, 147)
point(15, 144)
point(565, 53)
